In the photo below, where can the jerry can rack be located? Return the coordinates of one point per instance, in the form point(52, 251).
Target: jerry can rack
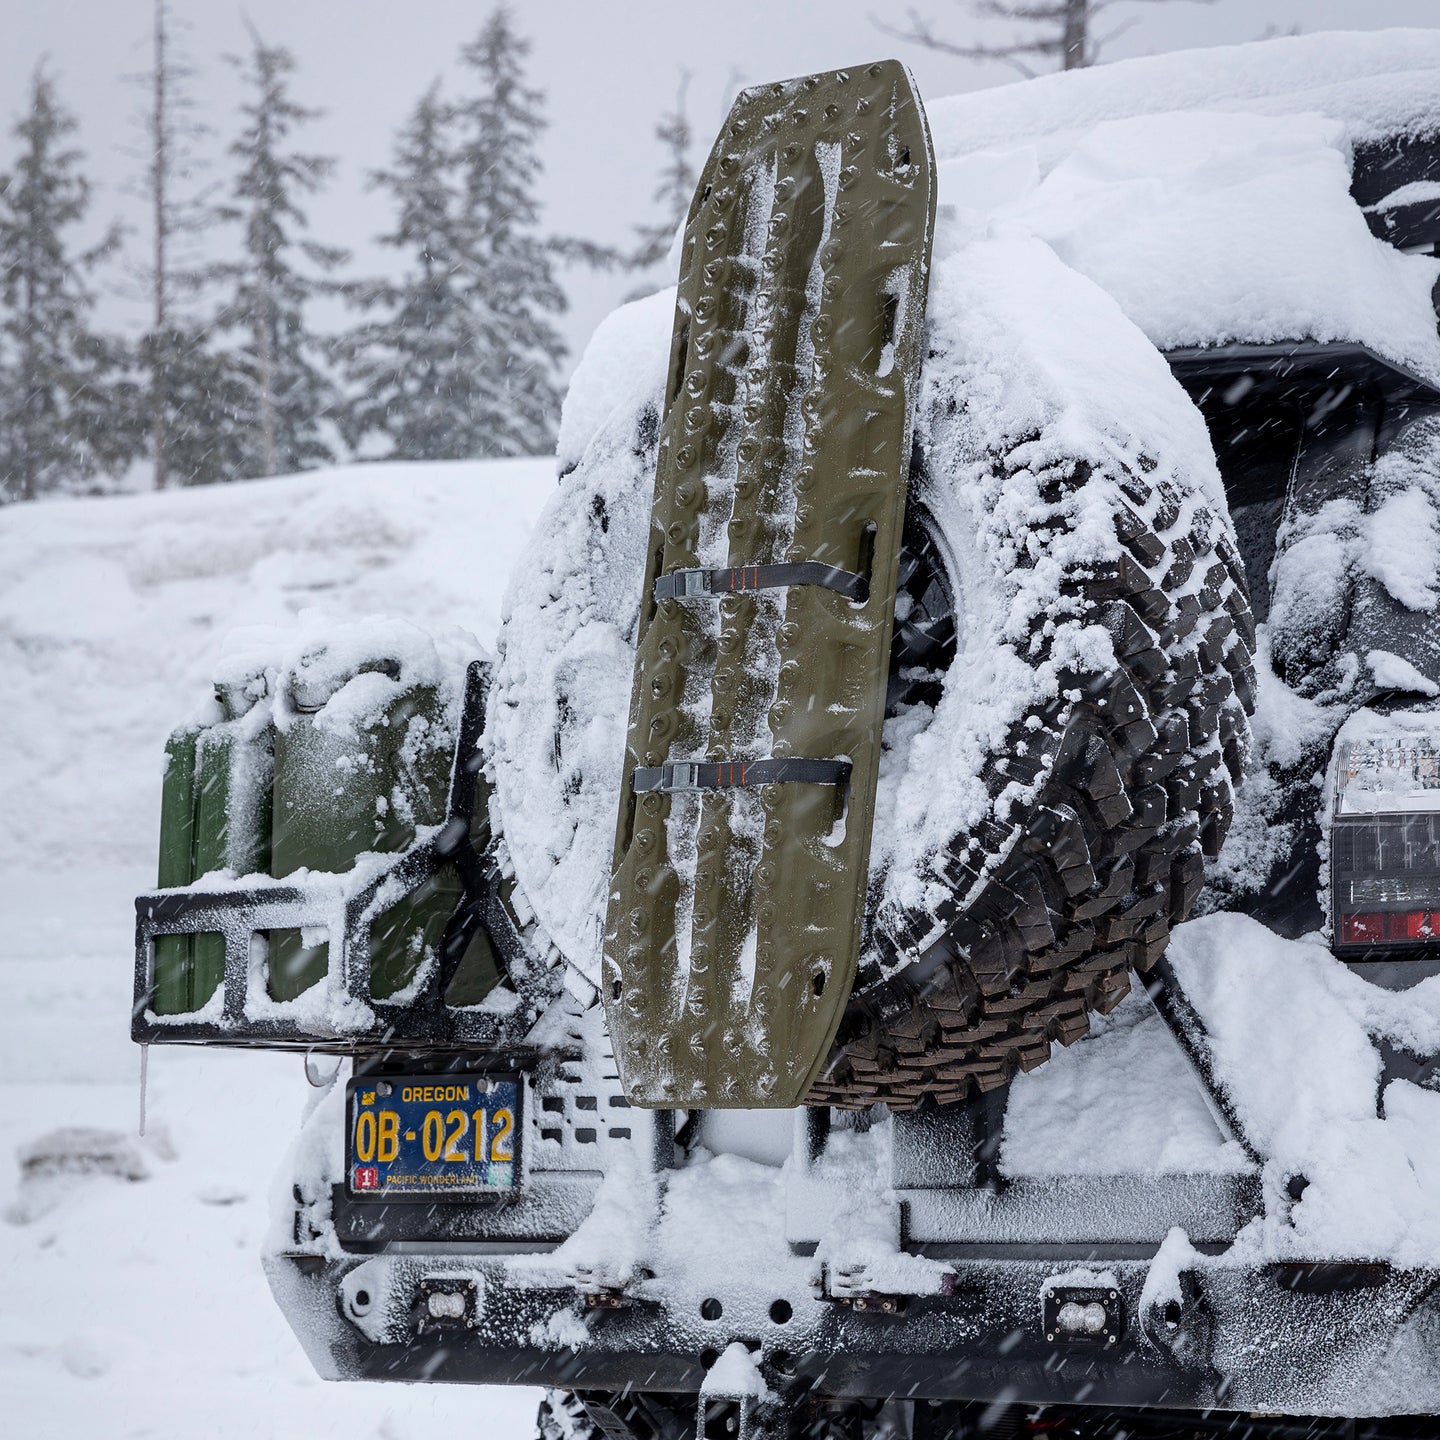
point(340, 1014)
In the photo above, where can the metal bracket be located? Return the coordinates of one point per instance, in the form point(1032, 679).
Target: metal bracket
point(735, 1403)
point(1167, 995)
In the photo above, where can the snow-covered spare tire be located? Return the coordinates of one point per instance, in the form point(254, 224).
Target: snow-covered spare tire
point(1047, 792)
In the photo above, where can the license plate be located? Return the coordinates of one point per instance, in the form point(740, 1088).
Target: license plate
point(433, 1137)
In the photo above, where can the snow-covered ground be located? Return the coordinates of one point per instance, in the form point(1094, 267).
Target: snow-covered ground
point(136, 1306)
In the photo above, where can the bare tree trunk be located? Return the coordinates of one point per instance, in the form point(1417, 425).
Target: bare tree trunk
point(159, 173)
point(1062, 30)
point(28, 487)
point(1075, 42)
point(267, 369)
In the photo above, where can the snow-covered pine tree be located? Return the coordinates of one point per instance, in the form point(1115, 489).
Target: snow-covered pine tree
point(460, 361)
point(500, 126)
point(402, 364)
point(57, 376)
point(190, 391)
point(288, 393)
point(677, 184)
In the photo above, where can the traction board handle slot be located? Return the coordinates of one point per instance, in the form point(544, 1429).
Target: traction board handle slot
point(680, 363)
point(865, 563)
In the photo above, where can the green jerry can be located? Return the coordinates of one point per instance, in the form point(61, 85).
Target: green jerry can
point(214, 815)
point(361, 761)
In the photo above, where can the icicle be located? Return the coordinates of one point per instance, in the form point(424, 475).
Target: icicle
point(144, 1082)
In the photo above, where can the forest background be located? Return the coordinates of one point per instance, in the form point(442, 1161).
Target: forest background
point(245, 243)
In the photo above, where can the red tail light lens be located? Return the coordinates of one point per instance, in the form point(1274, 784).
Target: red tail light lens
point(1362, 929)
point(1415, 925)
point(1376, 927)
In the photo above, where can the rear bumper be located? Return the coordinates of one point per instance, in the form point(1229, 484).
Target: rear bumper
point(1351, 1341)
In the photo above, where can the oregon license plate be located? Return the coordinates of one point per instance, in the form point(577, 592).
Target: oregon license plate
point(433, 1137)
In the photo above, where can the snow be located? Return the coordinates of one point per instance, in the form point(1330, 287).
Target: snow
point(121, 605)
point(555, 733)
point(1162, 1280)
point(1375, 82)
point(1294, 1037)
point(1402, 546)
point(325, 670)
point(135, 1302)
point(708, 1204)
point(1293, 1034)
point(1386, 529)
point(1086, 218)
point(624, 361)
point(1209, 193)
point(735, 1373)
point(1209, 227)
point(860, 1235)
point(1012, 336)
point(1391, 672)
point(1130, 1071)
point(766, 1136)
point(607, 1248)
point(1086, 222)
point(1417, 192)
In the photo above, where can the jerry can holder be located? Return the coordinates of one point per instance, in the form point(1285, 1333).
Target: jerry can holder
point(339, 1014)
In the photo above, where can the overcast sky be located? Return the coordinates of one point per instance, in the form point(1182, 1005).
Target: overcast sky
point(608, 67)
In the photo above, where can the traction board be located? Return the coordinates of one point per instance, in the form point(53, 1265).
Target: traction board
point(743, 842)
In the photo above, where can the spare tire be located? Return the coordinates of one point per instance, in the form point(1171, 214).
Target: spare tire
point(1070, 678)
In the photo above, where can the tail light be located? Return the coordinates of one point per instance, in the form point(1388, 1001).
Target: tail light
point(1383, 927)
point(1385, 843)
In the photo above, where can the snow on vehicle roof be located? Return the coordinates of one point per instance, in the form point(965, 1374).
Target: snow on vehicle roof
point(1209, 191)
point(1376, 83)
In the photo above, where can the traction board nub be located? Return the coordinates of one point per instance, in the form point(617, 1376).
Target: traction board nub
point(747, 802)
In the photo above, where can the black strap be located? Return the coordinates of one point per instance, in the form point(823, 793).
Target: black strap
point(739, 774)
point(686, 584)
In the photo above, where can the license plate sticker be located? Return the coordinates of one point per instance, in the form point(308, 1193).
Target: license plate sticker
point(433, 1137)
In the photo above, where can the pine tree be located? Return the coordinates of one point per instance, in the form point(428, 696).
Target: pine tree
point(461, 362)
point(191, 391)
point(501, 126)
point(288, 394)
point(407, 367)
point(57, 376)
point(676, 187)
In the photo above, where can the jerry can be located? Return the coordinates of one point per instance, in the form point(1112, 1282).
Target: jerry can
point(214, 815)
point(361, 761)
